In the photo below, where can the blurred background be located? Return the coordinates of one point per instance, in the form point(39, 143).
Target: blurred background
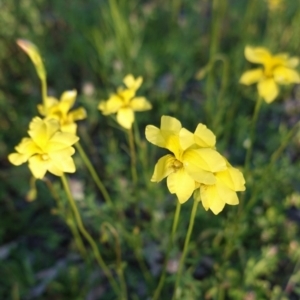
point(191, 56)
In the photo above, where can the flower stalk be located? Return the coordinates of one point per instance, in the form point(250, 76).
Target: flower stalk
point(88, 237)
point(185, 248)
point(94, 174)
point(169, 247)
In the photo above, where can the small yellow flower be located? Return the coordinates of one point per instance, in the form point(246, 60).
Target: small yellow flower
point(60, 110)
point(193, 159)
point(228, 182)
point(47, 149)
point(124, 102)
point(277, 69)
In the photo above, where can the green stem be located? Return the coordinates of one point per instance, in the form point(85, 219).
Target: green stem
point(132, 156)
point(119, 258)
point(252, 134)
point(169, 247)
point(70, 222)
point(77, 237)
point(185, 248)
point(88, 237)
point(44, 93)
point(94, 175)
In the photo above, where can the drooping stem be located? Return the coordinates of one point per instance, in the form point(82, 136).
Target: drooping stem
point(94, 174)
point(132, 156)
point(169, 247)
point(185, 248)
point(88, 237)
point(252, 134)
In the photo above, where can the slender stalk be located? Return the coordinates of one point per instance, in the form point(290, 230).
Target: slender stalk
point(252, 134)
point(94, 174)
point(88, 237)
point(77, 237)
point(132, 156)
point(185, 248)
point(44, 93)
point(119, 258)
point(70, 222)
point(169, 246)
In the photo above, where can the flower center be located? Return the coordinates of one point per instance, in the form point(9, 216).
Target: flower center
point(177, 165)
point(45, 157)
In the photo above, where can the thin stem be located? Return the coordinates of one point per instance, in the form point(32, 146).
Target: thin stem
point(94, 174)
point(77, 236)
point(185, 248)
point(252, 133)
point(88, 237)
point(169, 246)
point(44, 93)
point(119, 258)
point(132, 156)
point(69, 221)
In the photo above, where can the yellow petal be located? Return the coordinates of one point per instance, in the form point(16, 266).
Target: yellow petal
point(78, 114)
point(164, 139)
point(252, 76)
point(42, 130)
point(204, 137)
point(69, 128)
point(132, 83)
point(181, 184)
point(69, 97)
point(54, 170)
point(17, 158)
point(257, 55)
point(292, 62)
point(211, 199)
point(283, 75)
point(61, 140)
point(37, 166)
point(65, 165)
point(205, 158)
point(163, 168)
point(186, 138)
point(112, 105)
point(140, 104)
point(232, 178)
point(125, 117)
point(268, 90)
point(170, 124)
point(154, 136)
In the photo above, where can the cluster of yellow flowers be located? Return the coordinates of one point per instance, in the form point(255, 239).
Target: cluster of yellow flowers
point(194, 165)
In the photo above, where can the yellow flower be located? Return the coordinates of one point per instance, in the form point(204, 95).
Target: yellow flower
point(277, 69)
point(193, 159)
point(124, 102)
point(228, 182)
point(47, 149)
point(60, 110)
